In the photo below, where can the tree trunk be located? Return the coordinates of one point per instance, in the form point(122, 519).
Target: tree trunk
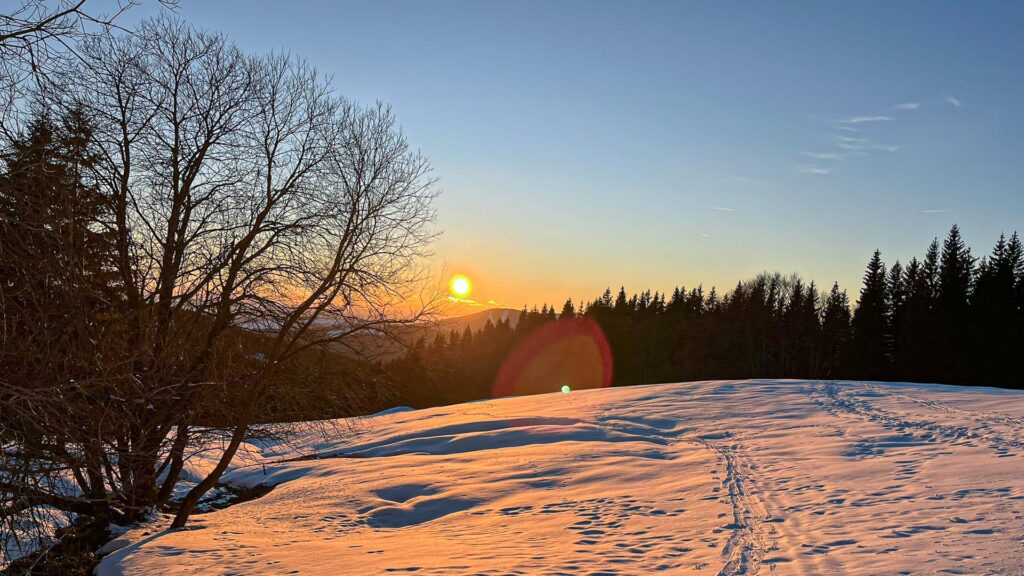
point(177, 463)
point(188, 504)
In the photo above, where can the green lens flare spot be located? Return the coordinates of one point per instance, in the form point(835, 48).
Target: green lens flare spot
point(566, 389)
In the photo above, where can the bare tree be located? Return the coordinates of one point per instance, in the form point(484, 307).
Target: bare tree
point(252, 197)
point(257, 218)
point(36, 36)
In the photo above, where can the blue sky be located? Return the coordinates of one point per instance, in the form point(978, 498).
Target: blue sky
point(651, 144)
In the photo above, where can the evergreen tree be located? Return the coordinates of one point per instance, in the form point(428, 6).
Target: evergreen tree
point(998, 326)
point(56, 281)
point(896, 289)
point(678, 299)
point(801, 332)
point(568, 311)
point(930, 269)
point(658, 303)
point(621, 305)
point(836, 330)
point(1015, 258)
point(1015, 262)
point(896, 286)
point(956, 273)
point(713, 302)
point(869, 345)
point(53, 243)
point(956, 276)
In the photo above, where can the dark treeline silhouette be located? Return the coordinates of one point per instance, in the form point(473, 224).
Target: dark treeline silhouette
point(948, 317)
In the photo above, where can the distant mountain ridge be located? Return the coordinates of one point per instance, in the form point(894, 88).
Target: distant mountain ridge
point(478, 320)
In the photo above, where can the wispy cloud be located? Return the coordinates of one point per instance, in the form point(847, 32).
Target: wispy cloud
point(813, 170)
point(705, 235)
point(466, 301)
point(942, 211)
point(862, 119)
point(884, 147)
point(862, 144)
point(857, 140)
point(741, 179)
point(850, 142)
point(722, 208)
point(824, 155)
point(953, 101)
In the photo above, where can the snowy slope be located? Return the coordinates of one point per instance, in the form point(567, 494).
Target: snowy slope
point(743, 477)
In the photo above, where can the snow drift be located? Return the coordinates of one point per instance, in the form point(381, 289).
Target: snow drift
point(723, 477)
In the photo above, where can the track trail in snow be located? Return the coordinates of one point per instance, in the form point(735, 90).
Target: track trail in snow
point(747, 544)
point(936, 405)
point(858, 402)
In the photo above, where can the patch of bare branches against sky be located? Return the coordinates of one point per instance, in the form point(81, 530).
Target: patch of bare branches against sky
point(244, 224)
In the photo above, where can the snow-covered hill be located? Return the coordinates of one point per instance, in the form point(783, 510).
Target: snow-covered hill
point(724, 477)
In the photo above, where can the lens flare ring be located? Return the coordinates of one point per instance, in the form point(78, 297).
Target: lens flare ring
point(563, 355)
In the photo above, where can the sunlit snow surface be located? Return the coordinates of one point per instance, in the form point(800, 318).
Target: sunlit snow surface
point(744, 477)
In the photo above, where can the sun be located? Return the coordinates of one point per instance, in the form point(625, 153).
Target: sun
point(460, 286)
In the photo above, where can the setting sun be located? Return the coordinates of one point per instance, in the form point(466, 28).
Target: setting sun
point(460, 286)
